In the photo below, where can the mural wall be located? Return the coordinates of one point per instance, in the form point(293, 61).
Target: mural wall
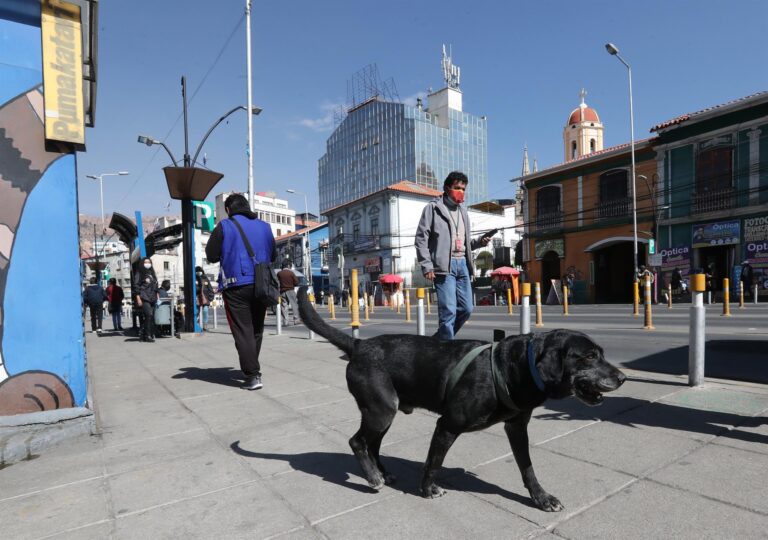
point(42, 358)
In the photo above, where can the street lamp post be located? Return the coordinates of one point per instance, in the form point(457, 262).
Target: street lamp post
point(188, 183)
point(614, 51)
point(305, 252)
point(101, 191)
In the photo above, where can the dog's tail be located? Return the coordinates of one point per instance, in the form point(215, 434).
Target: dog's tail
point(315, 323)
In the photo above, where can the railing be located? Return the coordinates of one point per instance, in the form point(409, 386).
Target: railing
point(549, 220)
point(713, 200)
point(614, 208)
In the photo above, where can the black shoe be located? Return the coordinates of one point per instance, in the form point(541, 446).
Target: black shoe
point(252, 383)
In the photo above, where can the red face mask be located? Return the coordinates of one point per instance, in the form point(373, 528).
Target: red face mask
point(457, 195)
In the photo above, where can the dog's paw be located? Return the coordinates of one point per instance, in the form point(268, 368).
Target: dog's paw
point(548, 503)
point(377, 483)
point(432, 492)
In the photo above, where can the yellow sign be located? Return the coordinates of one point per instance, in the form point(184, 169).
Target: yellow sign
point(63, 72)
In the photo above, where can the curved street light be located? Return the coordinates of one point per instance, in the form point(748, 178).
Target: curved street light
point(614, 51)
point(99, 177)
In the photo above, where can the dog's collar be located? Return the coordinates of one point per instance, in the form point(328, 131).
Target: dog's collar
point(533, 369)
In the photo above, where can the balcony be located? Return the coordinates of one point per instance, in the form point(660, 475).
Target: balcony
point(713, 200)
point(549, 221)
point(615, 208)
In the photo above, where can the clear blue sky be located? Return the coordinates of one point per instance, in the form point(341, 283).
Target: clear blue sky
point(523, 64)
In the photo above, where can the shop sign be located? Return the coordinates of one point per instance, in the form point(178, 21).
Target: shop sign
point(543, 246)
point(373, 265)
point(720, 233)
point(756, 248)
point(676, 257)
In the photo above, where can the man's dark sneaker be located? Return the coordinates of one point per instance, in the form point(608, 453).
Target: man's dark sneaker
point(253, 383)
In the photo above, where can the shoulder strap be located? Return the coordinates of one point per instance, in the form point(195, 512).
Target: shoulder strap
point(459, 369)
point(242, 235)
point(502, 393)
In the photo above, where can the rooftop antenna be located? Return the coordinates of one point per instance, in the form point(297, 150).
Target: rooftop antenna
point(451, 72)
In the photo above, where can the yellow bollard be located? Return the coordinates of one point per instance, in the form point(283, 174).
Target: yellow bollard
point(669, 296)
point(407, 305)
point(648, 325)
point(509, 301)
point(636, 300)
point(355, 312)
point(371, 302)
point(539, 321)
point(741, 295)
point(332, 307)
point(726, 297)
point(365, 303)
point(565, 300)
point(429, 306)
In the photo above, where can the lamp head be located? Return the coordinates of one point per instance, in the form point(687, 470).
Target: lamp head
point(149, 141)
point(612, 49)
point(255, 111)
point(290, 191)
point(123, 173)
point(92, 177)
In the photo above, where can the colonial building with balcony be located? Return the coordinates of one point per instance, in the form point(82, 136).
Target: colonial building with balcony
point(578, 214)
point(712, 185)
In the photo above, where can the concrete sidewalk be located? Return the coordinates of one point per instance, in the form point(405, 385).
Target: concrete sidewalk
point(184, 453)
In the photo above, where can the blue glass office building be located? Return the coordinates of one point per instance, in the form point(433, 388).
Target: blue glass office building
point(380, 143)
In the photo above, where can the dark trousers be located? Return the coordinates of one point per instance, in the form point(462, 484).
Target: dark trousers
point(97, 311)
point(148, 322)
point(246, 320)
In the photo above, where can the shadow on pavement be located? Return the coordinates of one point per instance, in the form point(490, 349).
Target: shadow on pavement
point(741, 360)
point(225, 376)
point(633, 412)
point(337, 468)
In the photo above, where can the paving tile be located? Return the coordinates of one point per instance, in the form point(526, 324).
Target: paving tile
point(198, 471)
point(71, 461)
point(727, 474)
point(751, 434)
point(714, 398)
point(455, 515)
point(133, 455)
point(649, 510)
point(318, 396)
point(575, 483)
point(53, 510)
point(622, 448)
point(243, 511)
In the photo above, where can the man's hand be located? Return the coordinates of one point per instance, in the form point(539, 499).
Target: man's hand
point(485, 240)
point(430, 276)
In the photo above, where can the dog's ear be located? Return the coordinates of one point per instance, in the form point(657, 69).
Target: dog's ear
point(551, 363)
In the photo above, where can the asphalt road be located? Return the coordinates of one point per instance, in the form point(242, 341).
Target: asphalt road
point(737, 346)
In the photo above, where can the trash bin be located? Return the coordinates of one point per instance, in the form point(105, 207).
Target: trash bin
point(163, 316)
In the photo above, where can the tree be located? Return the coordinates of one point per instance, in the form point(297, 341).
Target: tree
point(484, 262)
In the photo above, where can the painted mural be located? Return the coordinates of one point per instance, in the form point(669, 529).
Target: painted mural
point(42, 359)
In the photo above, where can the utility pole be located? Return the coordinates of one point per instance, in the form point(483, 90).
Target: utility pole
point(188, 233)
point(250, 103)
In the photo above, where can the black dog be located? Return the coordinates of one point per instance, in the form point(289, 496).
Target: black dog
point(503, 383)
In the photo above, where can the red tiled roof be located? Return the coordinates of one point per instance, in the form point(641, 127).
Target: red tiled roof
point(301, 231)
point(682, 118)
point(403, 186)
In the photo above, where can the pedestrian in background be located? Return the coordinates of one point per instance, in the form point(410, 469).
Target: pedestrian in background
point(205, 294)
point(746, 277)
point(444, 250)
point(115, 297)
point(146, 296)
point(245, 312)
point(94, 296)
point(288, 281)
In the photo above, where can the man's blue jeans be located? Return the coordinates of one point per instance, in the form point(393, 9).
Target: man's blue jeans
point(454, 299)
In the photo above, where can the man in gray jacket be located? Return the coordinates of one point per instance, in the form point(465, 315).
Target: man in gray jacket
point(444, 250)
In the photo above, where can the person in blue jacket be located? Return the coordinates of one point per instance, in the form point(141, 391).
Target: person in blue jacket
point(236, 275)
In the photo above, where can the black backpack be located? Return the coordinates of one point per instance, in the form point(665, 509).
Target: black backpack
point(266, 288)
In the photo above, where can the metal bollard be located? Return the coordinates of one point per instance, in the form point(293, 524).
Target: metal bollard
point(314, 306)
point(648, 325)
point(741, 295)
point(474, 299)
point(215, 317)
point(697, 331)
point(565, 300)
point(371, 303)
point(355, 319)
point(332, 307)
point(407, 305)
point(636, 299)
point(669, 296)
point(525, 309)
point(539, 321)
point(278, 316)
point(420, 322)
point(509, 301)
point(429, 305)
point(365, 305)
point(173, 316)
point(726, 297)
point(754, 294)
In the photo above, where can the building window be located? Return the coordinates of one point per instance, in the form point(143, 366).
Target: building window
point(714, 169)
point(166, 265)
point(573, 150)
point(356, 232)
point(375, 226)
point(548, 213)
point(279, 232)
point(591, 145)
point(614, 194)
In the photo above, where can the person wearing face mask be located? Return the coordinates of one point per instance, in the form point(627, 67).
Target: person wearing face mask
point(146, 296)
point(444, 250)
point(205, 294)
point(245, 312)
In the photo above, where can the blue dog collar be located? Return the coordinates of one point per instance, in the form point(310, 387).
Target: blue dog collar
point(533, 369)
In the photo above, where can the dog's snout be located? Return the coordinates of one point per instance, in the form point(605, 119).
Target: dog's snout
point(621, 377)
